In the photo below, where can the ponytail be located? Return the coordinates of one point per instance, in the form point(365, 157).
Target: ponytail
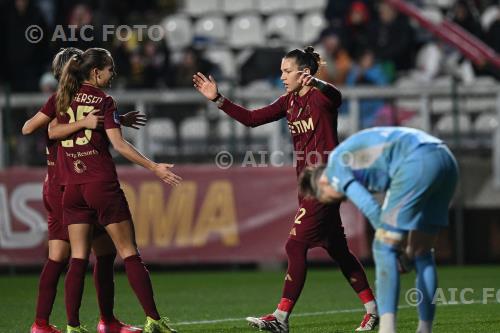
point(69, 84)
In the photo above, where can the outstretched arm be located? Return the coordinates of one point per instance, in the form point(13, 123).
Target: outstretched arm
point(161, 170)
point(208, 88)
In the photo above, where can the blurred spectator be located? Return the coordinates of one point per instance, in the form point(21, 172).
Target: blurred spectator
point(366, 71)
point(190, 63)
point(136, 77)
point(148, 66)
point(428, 63)
point(25, 60)
point(81, 30)
point(121, 51)
point(337, 60)
point(358, 30)
point(463, 15)
point(394, 38)
point(335, 12)
point(156, 64)
point(493, 34)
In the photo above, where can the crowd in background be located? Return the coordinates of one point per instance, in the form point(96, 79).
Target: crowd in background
point(363, 43)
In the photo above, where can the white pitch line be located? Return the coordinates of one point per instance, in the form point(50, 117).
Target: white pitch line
point(304, 314)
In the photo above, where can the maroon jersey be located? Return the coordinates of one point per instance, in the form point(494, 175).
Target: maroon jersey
point(312, 121)
point(84, 156)
point(49, 109)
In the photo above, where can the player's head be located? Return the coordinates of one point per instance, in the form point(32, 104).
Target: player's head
point(314, 184)
point(61, 58)
point(94, 66)
point(305, 60)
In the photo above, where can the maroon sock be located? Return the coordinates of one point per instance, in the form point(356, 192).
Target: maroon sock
point(73, 289)
point(296, 272)
point(47, 289)
point(104, 281)
point(350, 266)
point(138, 277)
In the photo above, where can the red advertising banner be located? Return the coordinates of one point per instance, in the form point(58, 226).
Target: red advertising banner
point(238, 215)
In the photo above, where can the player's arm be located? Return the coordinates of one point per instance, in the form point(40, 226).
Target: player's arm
point(161, 170)
point(329, 90)
point(59, 131)
point(38, 120)
point(251, 118)
point(365, 201)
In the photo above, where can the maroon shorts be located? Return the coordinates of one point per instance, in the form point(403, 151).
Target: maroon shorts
point(52, 199)
point(98, 202)
point(317, 224)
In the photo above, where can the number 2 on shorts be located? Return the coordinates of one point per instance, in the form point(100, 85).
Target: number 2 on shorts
point(300, 215)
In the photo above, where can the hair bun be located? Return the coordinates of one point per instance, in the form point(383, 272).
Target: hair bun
point(309, 49)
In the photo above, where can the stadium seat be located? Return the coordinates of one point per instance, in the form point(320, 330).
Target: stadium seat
point(225, 128)
point(161, 135)
point(271, 6)
point(194, 128)
point(283, 25)
point(445, 4)
point(489, 16)
point(311, 26)
point(179, 31)
point(246, 31)
point(433, 14)
point(414, 122)
point(302, 6)
point(224, 58)
point(232, 7)
point(212, 27)
point(486, 123)
point(200, 8)
point(344, 125)
point(444, 125)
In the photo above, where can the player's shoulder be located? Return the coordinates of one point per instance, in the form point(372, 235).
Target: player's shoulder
point(285, 96)
point(109, 101)
point(52, 98)
point(49, 108)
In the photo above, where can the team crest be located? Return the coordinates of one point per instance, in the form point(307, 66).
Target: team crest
point(79, 166)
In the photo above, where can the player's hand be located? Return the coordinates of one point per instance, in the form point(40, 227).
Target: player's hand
point(92, 120)
point(305, 79)
point(206, 86)
point(162, 171)
point(133, 119)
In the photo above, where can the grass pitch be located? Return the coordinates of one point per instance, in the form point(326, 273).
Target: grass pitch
point(219, 301)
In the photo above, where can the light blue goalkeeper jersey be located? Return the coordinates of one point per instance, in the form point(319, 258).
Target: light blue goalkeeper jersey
point(368, 161)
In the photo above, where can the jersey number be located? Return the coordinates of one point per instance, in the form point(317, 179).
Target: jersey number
point(300, 215)
point(81, 112)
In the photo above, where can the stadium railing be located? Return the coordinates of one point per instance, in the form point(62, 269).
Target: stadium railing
point(482, 98)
